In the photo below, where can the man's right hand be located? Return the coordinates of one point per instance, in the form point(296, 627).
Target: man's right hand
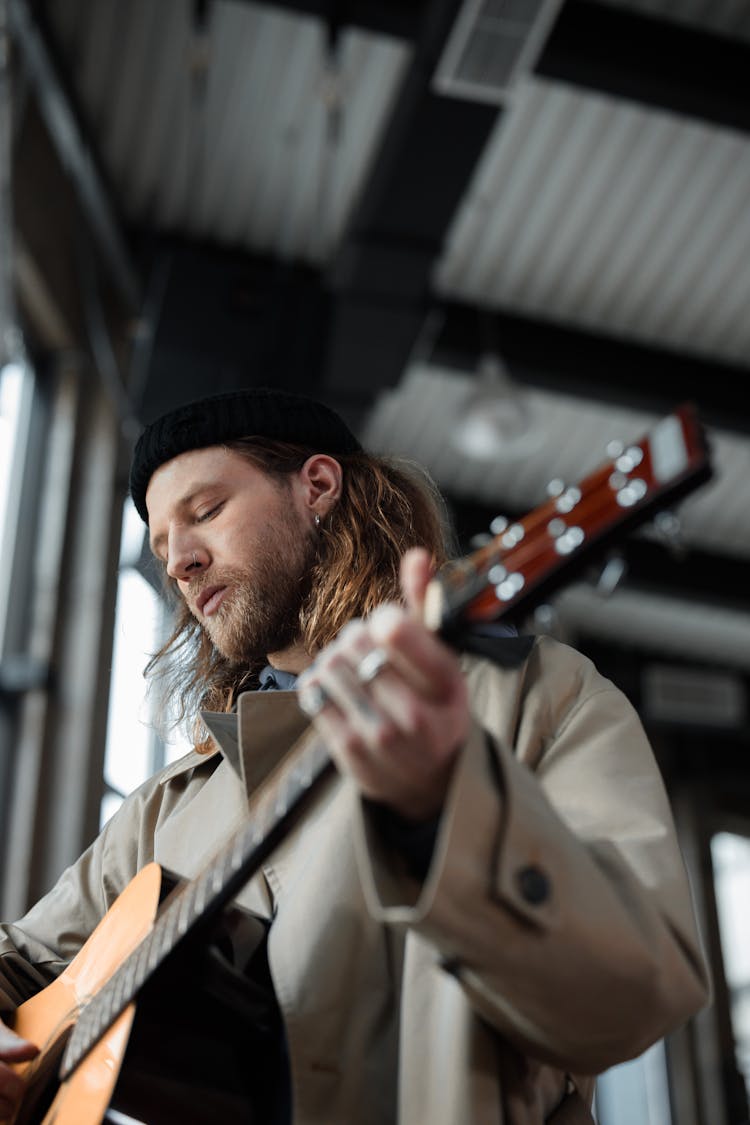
point(13, 1049)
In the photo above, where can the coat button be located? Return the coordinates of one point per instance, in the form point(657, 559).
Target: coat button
point(533, 884)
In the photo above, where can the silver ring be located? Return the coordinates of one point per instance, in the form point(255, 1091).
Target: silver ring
point(371, 665)
point(312, 699)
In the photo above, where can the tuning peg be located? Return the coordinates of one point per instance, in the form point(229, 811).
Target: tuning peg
point(668, 527)
point(499, 524)
point(480, 540)
point(546, 620)
point(611, 575)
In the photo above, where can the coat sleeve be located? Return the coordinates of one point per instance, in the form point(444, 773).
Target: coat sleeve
point(557, 895)
point(37, 948)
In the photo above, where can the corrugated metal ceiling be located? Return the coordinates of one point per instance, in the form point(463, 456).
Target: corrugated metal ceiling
point(227, 136)
point(565, 438)
point(585, 209)
point(608, 215)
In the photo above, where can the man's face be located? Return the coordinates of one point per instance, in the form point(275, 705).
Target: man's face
point(239, 544)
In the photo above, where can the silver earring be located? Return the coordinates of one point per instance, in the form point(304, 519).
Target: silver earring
point(317, 519)
point(195, 561)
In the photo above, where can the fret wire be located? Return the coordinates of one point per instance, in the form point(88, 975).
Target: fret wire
point(152, 958)
point(129, 971)
point(170, 917)
point(185, 909)
point(118, 992)
point(140, 959)
point(160, 938)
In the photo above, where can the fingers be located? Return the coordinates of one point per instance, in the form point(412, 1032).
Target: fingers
point(389, 700)
point(420, 657)
point(416, 571)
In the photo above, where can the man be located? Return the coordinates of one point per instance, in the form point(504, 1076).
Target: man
point(485, 905)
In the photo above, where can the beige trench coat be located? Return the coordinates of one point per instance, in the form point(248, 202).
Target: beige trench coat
point(553, 937)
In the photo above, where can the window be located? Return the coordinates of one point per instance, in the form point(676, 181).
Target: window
point(13, 384)
point(133, 750)
point(730, 855)
point(635, 1091)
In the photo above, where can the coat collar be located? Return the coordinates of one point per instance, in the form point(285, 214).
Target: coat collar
point(253, 740)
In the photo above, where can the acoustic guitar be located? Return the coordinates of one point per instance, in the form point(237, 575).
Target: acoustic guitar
point(99, 1026)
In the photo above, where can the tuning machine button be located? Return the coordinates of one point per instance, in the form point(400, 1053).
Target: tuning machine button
point(631, 493)
point(511, 586)
point(668, 526)
point(611, 575)
point(571, 539)
point(513, 536)
point(568, 499)
point(630, 459)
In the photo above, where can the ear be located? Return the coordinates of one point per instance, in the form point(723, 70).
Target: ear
point(319, 483)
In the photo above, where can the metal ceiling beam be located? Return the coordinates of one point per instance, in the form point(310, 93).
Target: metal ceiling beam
point(76, 152)
point(380, 280)
point(591, 365)
point(281, 337)
point(659, 62)
point(398, 18)
point(380, 277)
point(643, 57)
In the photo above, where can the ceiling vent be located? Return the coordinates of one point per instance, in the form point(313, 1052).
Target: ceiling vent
point(688, 696)
point(492, 42)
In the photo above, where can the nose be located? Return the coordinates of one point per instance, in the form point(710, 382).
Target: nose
point(185, 560)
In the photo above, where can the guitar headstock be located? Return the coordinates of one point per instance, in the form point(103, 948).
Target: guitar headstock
point(522, 564)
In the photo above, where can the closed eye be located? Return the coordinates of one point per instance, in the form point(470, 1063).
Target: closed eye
point(211, 512)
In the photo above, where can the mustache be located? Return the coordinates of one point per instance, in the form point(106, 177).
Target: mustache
point(212, 581)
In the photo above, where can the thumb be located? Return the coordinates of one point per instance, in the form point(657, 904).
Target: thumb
point(417, 569)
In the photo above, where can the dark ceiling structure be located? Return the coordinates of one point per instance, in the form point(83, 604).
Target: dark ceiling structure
point(345, 323)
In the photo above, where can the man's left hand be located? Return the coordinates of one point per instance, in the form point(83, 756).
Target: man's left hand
point(390, 701)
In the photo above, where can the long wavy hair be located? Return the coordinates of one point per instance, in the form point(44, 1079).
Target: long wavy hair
point(386, 506)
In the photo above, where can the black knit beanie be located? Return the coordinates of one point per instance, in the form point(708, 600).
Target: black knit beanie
point(255, 412)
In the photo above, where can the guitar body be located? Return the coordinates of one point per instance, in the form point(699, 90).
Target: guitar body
point(185, 1050)
point(47, 1018)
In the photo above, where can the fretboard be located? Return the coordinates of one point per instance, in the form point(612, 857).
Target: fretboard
point(200, 900)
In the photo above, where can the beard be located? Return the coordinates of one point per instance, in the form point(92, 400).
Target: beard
point(260, 612)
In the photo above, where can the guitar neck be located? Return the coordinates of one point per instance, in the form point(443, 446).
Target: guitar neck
point(197, 903)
